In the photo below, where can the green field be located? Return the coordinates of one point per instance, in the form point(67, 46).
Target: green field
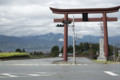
point(13, 54)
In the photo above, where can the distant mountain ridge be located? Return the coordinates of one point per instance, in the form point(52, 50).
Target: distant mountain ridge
point(45, 42)
point(30, 43)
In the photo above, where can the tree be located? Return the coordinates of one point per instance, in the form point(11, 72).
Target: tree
point(86, 46)
point(61, 50)
point(23, 50)
point(55, 51)
point(70, 49)
point(18, 50)
point(110, 49)
point(35, 53)
point(41, 53)
point(81, 47)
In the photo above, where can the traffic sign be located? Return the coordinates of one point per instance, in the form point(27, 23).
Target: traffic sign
point(66, 22)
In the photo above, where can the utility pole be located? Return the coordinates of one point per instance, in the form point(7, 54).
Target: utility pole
point(73, 28)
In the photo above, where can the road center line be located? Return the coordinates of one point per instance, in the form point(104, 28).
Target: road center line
point(110, 73)
point(7, 74)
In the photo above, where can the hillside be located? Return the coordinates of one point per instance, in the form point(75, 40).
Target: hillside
point(45, 42)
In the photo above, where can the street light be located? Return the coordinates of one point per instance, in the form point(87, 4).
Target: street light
point(66, 21)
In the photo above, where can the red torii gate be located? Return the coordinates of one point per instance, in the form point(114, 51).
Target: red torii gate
point(85, 18)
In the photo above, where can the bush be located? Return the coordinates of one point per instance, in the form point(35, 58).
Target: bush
point(18, 50)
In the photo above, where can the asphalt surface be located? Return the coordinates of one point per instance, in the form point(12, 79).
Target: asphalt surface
point(44, 69)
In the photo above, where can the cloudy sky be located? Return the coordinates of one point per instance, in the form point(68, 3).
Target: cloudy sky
point(33, 17)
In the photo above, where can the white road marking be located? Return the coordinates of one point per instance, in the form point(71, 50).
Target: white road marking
point(25, 64)
point(39, 74)
point(33, 64)
point(33, 74)
point(10, 75)
point(85, 64)
point(110, 73)
point(42, 64)
point(46, 73)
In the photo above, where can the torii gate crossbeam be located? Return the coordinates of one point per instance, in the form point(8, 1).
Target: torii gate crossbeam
point(104, 11)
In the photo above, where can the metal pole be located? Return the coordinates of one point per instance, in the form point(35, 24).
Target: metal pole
point(74, 59)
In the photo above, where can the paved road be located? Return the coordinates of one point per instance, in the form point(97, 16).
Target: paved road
point(43, 69)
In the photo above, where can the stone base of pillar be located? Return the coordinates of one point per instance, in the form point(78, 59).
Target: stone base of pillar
point(101, 58)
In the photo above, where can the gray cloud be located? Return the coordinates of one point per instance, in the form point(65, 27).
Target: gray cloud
point(33, 17)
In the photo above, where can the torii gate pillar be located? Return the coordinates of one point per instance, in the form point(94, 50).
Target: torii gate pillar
point(65, 47)
point(105, 35)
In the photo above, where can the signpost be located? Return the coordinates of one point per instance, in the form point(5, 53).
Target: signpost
point(66, 21)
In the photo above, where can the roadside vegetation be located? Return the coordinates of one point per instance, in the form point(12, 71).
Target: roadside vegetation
point(39, 54)
point(85, 49)
point(107, 62)
point(12, 55)
point(82, 49)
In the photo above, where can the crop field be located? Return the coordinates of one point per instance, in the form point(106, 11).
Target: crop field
point(13, 54)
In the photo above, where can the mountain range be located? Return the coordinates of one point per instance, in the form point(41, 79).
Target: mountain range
point(45, 42)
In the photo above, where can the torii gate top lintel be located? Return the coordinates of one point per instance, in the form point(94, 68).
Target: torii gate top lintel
point(88, 10)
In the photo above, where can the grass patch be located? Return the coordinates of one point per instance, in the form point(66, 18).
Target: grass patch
point(13, 55)
point(105, 62)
